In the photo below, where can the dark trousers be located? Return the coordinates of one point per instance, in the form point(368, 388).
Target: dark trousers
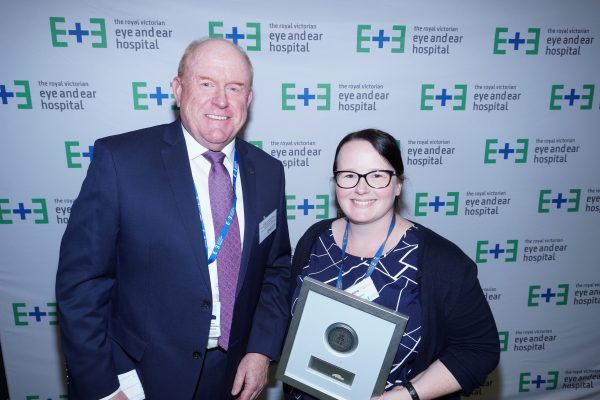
point(211, 385)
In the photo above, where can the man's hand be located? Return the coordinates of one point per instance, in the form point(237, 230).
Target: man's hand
point(251, 376)
point(120, 396)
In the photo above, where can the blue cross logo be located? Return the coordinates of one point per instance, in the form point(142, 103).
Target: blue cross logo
point(517, 40)
point(510, 251)
point(5, 95)
point(80, 33)
point(234, 36)
point(159, 96)
point(22, 211)
point(89, 154)
point(251, 34)
point(320, 206)
point(572, 97)
point(24, 317)
point(381, 39)
point(548, 295)
point(437, 204)
point(571, 198)
point(366, 34)
point(497, 251)
point(306, 97)
point(538, 381)
point(585, 97)
point(320, 97)
point(39, 214)
point(37, 314)
point(559, 200)
point(422, 202)
point(561, 295)
point(519, 151)
point(305, 206)
point(443, 97)
point(73, 154)
point(459, 98)
point(550, 383)
point(506, 151)
point(530, 42)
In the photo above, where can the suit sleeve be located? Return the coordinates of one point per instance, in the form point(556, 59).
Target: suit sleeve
point(85, 279)
point(272, 313)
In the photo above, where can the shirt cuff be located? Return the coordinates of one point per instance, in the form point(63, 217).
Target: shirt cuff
point(130, 385)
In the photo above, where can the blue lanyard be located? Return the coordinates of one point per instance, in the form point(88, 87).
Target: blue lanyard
point(228, 220)
point(375, 259)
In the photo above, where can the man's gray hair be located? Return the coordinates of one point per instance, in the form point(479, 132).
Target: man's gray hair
point(199, 42)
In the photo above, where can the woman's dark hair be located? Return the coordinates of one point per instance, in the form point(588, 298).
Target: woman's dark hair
point(383, 142)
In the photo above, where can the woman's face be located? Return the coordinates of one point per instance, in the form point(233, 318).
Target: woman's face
point(363, 204)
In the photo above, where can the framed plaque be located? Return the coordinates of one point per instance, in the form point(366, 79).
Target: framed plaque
point(339, 346)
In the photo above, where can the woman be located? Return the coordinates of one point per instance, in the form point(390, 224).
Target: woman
point(450, 343)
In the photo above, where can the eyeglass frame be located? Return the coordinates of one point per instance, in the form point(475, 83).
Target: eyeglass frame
point(390, 173)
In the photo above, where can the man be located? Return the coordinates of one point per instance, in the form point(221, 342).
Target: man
point(141, 306)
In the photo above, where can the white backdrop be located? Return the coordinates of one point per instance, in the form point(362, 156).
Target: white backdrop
point(494, 105)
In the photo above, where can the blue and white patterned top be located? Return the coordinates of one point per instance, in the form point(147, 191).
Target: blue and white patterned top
point(395, 280)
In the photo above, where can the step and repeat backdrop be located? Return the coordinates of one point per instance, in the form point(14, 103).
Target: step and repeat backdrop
point(495, 104)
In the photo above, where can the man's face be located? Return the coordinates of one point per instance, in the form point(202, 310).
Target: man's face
point(214, 93)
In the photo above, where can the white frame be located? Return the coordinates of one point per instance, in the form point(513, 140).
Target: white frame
point(362, 372)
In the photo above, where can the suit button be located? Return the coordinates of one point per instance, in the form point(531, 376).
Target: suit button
point(205, 304)
point(197, 354)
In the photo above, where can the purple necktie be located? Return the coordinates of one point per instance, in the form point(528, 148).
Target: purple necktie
point(228, 260)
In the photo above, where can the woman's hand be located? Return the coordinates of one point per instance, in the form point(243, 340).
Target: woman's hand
point(434, 382)
point(395, 394)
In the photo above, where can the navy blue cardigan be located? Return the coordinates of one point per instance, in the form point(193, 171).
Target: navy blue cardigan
point(457, 324)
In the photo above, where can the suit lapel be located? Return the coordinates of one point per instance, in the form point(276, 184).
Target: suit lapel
point(176, 161)
point(248, 175)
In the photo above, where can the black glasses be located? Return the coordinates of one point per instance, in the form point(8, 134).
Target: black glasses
point(378, 179)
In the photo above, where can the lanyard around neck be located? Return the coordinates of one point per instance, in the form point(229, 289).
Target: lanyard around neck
point(228, 220)
point(375, 259)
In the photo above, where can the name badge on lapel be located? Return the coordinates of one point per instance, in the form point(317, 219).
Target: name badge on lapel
point(267, 226)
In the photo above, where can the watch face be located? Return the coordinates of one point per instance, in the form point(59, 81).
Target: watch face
point(341, 337)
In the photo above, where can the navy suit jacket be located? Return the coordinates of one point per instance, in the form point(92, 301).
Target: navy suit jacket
point(132, 286)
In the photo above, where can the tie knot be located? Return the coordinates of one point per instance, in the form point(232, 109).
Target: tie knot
point(214, 156)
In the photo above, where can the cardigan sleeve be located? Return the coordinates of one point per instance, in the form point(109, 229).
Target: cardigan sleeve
point(472, 347)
